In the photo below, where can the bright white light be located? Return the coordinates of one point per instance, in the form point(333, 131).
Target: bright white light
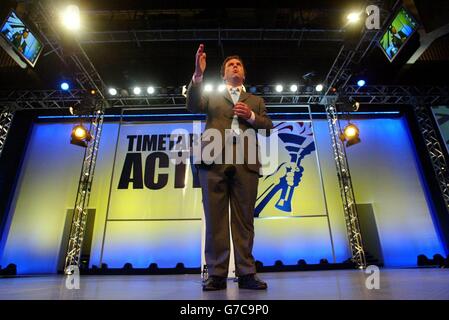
point(71, 18)
point(64, 86)
point(150, 90)
point(361, 83)
point(279, 88)
point(137, 90)
point(293, 88)
point(112, 91)
point(353, 17)
point(319, 88)
point(221, 87)
point(208, 87)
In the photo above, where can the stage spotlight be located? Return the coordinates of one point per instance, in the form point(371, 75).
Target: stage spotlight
point(438, 260)
point(71, 18)
point(221, 87)
point(127, 266)
point(153, 267)
point(10, 270)
point(302, 263)
point(65, 86)
point(308, 89)
point(293, 88)
point(279, 88)
point(112, 91)
point(208, 87)
point(278, 263)
point(180, 267)
point(361, 83)
point(319, 88)
point(259, 265)
point(80, 136)
point(137, 91)
point(350, 134)
point(253, 89)
point(86, 106)
point(353, 17)
point(423, 260)
point(150, 90)
point(346, 104)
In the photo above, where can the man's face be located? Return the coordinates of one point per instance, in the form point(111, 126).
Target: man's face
point(234, 71)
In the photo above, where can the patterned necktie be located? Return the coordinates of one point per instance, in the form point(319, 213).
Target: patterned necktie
point(235, 93)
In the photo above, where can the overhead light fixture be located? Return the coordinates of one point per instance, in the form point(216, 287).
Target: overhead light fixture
point(112, 91)
point(150, 90)
point(293, 88)
point(279, 88)
point(221, 87)
point(319, 88)
point(208, 87)
point(137, 91)
point(361, 83)
point(350, 134)
point(353, 17)
point(347, 104)
point(88, 104)
point(80, 136)
point(65, 86)
point(71, 18)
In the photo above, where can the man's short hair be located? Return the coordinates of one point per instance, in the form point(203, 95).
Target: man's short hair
point(223, 66)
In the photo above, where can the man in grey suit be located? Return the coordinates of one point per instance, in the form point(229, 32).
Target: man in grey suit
point(225, 182)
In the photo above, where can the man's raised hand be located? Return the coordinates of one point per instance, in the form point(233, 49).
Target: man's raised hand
point(200, 61)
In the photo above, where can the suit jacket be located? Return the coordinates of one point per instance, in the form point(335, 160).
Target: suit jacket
point(218, 108)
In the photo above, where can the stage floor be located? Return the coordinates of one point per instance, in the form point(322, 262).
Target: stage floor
point(395, 284)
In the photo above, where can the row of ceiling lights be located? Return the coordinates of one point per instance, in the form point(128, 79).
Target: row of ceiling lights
point(207, 88)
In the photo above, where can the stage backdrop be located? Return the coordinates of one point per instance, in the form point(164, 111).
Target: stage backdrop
point(149, 210)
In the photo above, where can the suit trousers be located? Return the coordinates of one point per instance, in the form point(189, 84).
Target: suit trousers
point(223, 185)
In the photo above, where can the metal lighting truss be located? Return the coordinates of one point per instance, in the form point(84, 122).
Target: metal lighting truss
point(78, 226)
point(435, 150)
point(171, 97)
point(339, 76)
point(5, 123)
point(346, 189)
point(88, 78)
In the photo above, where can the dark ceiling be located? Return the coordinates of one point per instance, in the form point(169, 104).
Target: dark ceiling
point(167, 60)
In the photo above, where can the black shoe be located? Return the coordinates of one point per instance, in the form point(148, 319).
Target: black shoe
point(252, 282)
point(214, 283)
